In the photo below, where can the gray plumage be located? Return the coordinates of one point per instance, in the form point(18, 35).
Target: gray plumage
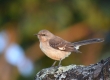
point(60, 44)
point(57, 48)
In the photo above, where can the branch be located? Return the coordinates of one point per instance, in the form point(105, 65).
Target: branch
point(98, 71)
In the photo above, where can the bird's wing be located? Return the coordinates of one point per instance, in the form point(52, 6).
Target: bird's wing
point(60, 44)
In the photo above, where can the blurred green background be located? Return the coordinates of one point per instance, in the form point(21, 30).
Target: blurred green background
point(20, 55)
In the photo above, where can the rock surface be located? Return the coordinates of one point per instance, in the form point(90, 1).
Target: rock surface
point(98, 71)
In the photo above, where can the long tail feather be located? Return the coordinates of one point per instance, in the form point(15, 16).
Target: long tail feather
point(89, 41)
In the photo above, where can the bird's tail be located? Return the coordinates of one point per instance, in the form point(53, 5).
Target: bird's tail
point(89, 41)
point(85, 42)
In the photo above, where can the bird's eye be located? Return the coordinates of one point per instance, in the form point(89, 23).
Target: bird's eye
point(43, 34)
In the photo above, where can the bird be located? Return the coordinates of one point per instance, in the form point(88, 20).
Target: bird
point(57, 48)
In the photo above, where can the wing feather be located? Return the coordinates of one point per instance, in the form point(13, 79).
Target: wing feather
point(60, 44)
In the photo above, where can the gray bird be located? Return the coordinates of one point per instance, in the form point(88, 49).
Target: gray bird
point(57, 48)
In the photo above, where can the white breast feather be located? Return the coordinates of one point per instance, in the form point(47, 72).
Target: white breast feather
point(54, 53)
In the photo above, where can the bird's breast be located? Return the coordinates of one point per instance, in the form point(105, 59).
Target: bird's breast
point(53, 53)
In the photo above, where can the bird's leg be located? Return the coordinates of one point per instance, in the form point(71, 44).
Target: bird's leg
point(54, 63)
point(59, 63)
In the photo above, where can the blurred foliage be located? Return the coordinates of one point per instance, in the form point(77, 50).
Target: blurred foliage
point(30, 16)
point(34, 15)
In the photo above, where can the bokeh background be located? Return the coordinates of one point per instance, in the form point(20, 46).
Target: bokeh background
point(73, 20)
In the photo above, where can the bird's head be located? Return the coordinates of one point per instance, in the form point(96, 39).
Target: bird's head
point(44, 35)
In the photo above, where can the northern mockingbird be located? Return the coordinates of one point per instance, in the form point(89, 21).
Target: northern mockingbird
point(57, 48)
